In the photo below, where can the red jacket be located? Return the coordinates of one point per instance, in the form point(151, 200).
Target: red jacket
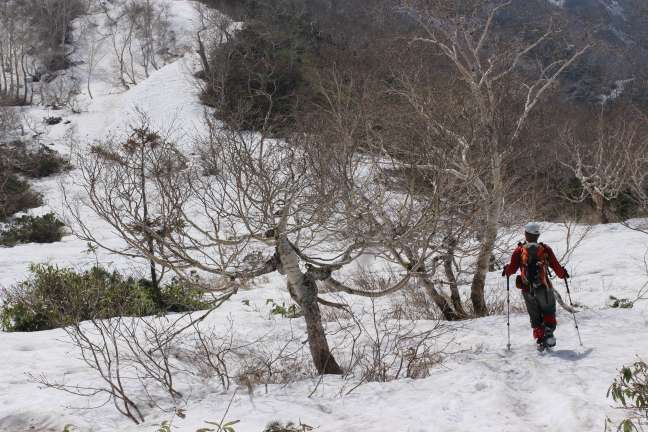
point(545, 254)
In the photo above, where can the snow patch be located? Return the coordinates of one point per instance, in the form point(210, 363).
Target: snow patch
point(617, 90)
point(614, 8)
point(559, 3)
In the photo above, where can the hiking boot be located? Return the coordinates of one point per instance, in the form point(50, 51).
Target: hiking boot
point(549, 338)
point(540, 345)
point(550, 341)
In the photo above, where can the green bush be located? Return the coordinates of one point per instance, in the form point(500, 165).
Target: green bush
point(276, 426)
point(32, 229)
point(292, 311)
point(18, 158)
point(16, 195)
point(178, 296)
point(259, 77)
point(630, 391)
point(42, 163)
point(18, 162)
point(54, 297)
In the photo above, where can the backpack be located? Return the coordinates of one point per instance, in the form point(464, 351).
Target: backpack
point(533, 261)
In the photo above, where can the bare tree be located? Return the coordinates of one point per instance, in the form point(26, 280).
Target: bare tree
point(637, 166)
point(500, 84)
point(140, 35)
point(416, 219)
point(125, 177)
point(34, 40)
point(215, 30)
point(602, 165)
point(251, 205)
point(94, 42)
point(122, 43)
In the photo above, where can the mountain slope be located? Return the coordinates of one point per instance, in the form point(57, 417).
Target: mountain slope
point(481, 387)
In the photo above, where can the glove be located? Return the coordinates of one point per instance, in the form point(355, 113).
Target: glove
point(566, 274)
point(504, 270)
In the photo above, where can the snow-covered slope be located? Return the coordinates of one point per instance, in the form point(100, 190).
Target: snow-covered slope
point(481, 387)
point(169, 98)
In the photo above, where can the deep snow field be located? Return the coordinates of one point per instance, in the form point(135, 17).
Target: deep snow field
point(480, 387)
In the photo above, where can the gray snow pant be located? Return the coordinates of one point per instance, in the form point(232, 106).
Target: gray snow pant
point(541, 305)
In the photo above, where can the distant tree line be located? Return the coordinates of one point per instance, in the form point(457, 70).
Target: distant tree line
point(270, 73)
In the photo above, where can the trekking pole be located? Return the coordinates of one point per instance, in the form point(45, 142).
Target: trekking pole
point(572, 312)
point(508, 314)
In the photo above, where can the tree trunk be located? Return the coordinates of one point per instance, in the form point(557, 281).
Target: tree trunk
point(303, 290)
point(440, 300)
point(23, 65)
point(157, 294)
point(16, 63)
point(483, 260)
point(203, 57)
point(10, 63)
point(322, 358)
point(599, 204)
point(489, 236)
point(3, 87)
point(452, 280)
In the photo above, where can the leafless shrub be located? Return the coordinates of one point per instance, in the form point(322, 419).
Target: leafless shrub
point(381, 343)
point(642, 292)
point(152, 350)
point(270, 361)
point(62, 92)
point(141, 38)
point(387, 349)
point(136, 359)
point(277, 426)
point(209, 352)
point(496, 301)
point(413, 304)
point(575, 234)
point(102, 351)
point(9, 119)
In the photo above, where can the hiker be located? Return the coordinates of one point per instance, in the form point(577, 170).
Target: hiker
point(533, 258)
